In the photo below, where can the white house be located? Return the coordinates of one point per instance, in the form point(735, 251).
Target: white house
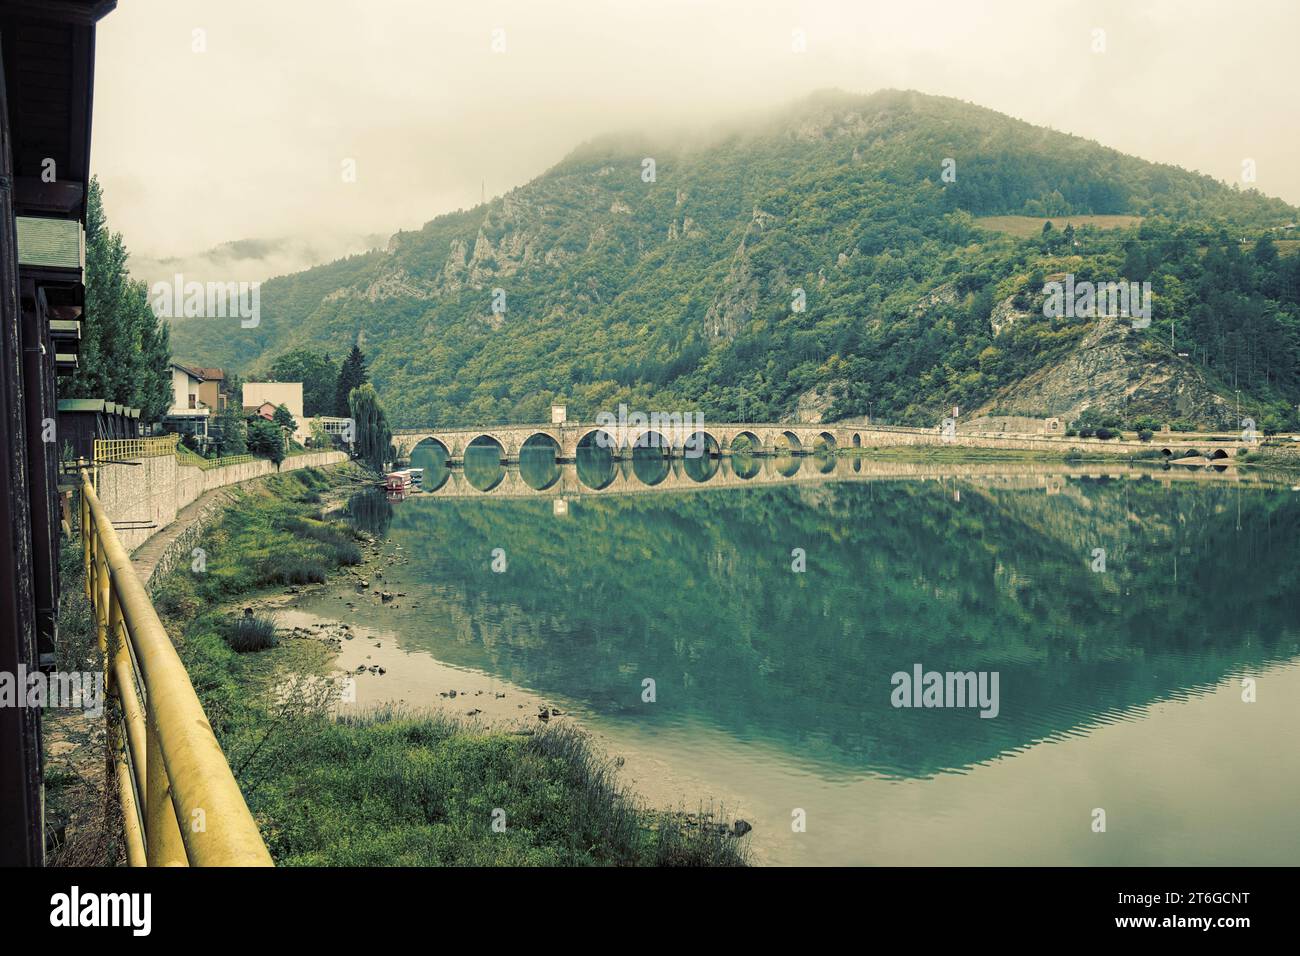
point(188, 415)
point(288, 394)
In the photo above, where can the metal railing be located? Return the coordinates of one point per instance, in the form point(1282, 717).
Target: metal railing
point(128, 449)
point(186, 457)
point(180, 803)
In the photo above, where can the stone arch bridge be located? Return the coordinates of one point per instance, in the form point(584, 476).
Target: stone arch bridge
point(677, 440)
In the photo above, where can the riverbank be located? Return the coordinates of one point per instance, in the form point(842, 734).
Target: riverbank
point(962, 453)
point(392, 785)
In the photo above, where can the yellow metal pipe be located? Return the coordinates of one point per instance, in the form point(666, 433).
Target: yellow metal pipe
point(219, 830)
point(135, 848)
point(162, 834)
point(87, 535)
point(132, 718)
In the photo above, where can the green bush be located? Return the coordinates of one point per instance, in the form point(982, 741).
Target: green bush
point(250, 632)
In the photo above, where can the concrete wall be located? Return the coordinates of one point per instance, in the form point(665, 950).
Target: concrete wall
point(144, 497)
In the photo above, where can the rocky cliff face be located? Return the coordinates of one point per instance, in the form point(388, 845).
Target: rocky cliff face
point(1116, 371)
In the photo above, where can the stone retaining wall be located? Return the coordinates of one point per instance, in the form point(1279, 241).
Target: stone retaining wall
point(143, 497)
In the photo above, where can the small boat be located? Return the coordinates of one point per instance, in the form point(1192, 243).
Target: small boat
point(398, 480)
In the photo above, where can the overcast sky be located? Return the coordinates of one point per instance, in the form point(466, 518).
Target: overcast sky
point(245, 141)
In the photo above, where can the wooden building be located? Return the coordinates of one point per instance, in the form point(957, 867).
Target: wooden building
point(83, 420)
point(46, 90)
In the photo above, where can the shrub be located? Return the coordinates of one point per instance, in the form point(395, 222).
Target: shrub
point(250, 633)
point(1145, 434)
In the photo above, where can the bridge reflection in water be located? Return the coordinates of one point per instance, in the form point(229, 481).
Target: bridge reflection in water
point(597, 472)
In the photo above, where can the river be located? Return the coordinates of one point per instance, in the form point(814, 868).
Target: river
point(743, 642)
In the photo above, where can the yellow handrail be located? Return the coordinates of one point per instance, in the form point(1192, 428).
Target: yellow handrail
point(128, 449)
point(180, 801)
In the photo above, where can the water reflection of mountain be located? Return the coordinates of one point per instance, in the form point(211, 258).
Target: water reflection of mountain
point(696, 591)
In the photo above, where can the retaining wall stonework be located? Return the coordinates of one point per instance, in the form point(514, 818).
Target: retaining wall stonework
point(142, 497)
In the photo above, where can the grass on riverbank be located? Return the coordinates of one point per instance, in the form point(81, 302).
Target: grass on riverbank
point(388, 787)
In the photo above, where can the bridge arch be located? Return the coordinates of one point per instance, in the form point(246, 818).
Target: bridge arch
point(595, 456)
point(650, 438)
point(431, 441)
point(755, 443)
point(857, 440)
point(537, 469)
point(598, 438)
point(791, 440)
point(825, 440)
point(699, 444)
point(486, 440)
point(539, 438)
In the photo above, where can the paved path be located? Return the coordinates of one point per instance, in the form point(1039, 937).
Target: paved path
point(146, 557)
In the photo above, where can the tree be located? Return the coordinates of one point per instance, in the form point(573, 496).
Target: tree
point(233, 431)
point(266, 440)
point(320, 438)
point(351, 376)
point(284, 418)
point(373, 436)
point(125, 348)
point(318, 374)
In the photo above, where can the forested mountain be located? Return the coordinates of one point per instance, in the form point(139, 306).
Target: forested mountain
point(682, 290)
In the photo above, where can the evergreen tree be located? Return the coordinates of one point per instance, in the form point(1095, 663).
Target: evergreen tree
point(284, 418)
point(266, 440)
point(233, 430)
point(351, 376)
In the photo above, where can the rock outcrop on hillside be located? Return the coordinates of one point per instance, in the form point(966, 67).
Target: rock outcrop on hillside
point(1114, 370)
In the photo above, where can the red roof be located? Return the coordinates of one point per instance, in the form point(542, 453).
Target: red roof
point(204, 374)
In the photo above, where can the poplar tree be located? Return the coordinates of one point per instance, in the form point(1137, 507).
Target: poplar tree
point(125, 349)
